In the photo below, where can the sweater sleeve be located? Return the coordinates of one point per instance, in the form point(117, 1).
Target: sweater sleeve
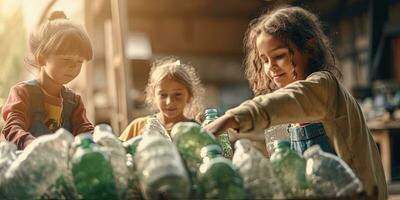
point(80, 123)
point(16, 114)
point(308, 100)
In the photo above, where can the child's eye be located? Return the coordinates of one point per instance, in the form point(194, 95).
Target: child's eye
point(264, 61)
point(178, 94)
point(278, 57)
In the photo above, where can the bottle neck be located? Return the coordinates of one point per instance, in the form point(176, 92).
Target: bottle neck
point(211, 151)
point(86, 143)
point(211, 117)
point(211, 114)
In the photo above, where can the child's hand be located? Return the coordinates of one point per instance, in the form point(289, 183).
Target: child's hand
point(222, 124)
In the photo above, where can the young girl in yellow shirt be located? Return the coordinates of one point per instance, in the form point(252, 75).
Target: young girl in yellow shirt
point(174, 91)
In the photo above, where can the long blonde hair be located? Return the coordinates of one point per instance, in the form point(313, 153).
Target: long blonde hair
point(183, 73)
point(293, 25)
point(58, 36)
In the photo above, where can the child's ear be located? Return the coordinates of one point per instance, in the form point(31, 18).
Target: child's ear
point(40, 60)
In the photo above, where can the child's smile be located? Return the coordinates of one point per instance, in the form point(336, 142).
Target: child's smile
point(171, 98)
point(279, 62)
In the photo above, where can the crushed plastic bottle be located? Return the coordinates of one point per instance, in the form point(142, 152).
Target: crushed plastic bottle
point(38, 167)
point(289, 168)
point(258, 177)
point(154, 126)
point(111, 145)
point(8, 153)
point(328, 175)
point(133, 180)
point(160, 169)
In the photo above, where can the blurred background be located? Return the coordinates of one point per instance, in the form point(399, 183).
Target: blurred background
point(129, 34)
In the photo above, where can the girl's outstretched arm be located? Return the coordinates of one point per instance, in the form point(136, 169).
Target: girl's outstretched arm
point(304, 101)
point(222, 124)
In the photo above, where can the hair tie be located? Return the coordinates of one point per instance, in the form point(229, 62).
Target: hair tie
point(177, 62)
point(57, 15)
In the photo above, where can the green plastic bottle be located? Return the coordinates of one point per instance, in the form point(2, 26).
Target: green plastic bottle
point(217, 176)
point(92, 171)
point(290, 169)
point(189, 138)
point(132, 144)
point(223, 139)
point(160, 169)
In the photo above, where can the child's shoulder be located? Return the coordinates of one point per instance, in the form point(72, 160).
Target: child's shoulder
point(141, 120)
point(323, 75)
point(21, 87)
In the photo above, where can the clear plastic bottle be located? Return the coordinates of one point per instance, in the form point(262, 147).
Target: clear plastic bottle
point(38, 167)
point(8, 153)
point(161, 172)
point(154, 126)
point(258, 177)
point(133, 180)
point(289, 168)
point(328, 175)
point(217, 176)
point(223, 139)
point(92, 170)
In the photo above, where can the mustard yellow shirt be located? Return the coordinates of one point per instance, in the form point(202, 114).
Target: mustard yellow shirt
point(53, 106)
point(134, 129)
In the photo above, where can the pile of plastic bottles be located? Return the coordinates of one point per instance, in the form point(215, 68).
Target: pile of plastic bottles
point(189, 165)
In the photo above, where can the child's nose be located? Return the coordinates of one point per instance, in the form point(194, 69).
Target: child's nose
point(168, 100)
point(273, 67)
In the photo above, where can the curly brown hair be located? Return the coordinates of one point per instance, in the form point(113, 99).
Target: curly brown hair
point(292, 25)
point(183, 73)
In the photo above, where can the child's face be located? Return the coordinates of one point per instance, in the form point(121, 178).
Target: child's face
point(171, 98)
point(62, 68)
point(278, 61)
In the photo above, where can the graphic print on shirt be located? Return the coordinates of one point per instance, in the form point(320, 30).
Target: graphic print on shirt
point(53, 119)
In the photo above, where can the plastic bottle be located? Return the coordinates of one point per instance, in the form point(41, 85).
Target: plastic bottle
point(217, 176)
point(328, 175)
point(161, 172)
point(189, 138)
point(92, 170)
point(112, 146)
point(38, 167)
point(289, 168)
point(223, 139)
point(8, 153)
point(258, 177)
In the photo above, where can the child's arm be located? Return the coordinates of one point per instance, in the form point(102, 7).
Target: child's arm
point(309, 100)
point(16, 114)
point(304, 101)
point(80, 123)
